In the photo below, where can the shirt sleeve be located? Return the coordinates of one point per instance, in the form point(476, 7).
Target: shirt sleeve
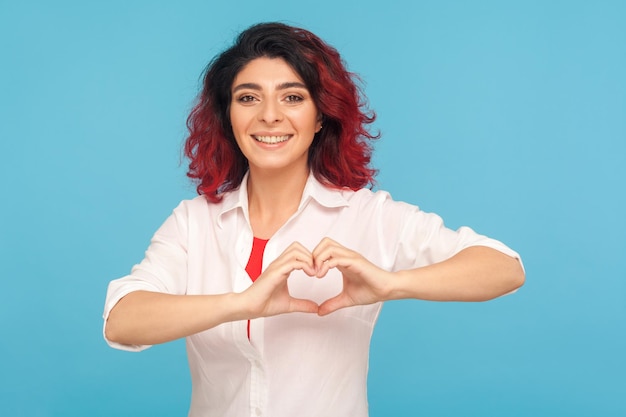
point(163, 269)
point(423, 239)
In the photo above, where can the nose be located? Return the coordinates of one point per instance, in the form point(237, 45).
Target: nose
point(270, 112)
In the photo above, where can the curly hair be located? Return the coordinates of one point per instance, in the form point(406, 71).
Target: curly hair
point(340, 153)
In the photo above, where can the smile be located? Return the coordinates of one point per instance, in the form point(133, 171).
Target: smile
point(271, 139)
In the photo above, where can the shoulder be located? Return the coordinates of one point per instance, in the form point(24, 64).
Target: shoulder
point(200, 209)
point(194, 205)
point(197, 210)
point(380, 199)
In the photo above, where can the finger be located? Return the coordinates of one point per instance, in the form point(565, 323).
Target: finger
point(302, 260)
point(282, 270)
point(293, 249)
point(328, 245)
point(303, 306)
point(332, 304)
point(297, 246)
point(322, 270)
point(323, 253)
point(321, 247)
point(333, 257)
point(294, 257)
point(305, 266)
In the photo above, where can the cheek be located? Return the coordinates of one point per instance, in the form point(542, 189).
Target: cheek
point(306, 121)
point(234, 121)
point(238, 117)
point(238, 127)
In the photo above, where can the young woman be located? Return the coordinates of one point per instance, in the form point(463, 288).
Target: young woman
point(276, 273)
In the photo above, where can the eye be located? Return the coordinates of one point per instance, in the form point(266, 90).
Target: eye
point(293, 98)
point(246, 98)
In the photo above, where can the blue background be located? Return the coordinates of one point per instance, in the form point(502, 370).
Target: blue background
point(507, 116)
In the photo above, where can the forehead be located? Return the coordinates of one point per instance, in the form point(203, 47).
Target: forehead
point(266, 70)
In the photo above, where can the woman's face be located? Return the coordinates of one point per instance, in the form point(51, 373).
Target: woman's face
point(273, 116)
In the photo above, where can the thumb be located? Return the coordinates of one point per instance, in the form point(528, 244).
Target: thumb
point(332, 304)
point(301, 305)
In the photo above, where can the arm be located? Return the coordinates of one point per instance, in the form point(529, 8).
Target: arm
point(147, 318)
point(476, 273)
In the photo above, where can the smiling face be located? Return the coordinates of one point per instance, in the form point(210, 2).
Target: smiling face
point(273, 116)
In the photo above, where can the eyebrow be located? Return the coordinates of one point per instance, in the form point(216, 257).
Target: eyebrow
point(282, 86)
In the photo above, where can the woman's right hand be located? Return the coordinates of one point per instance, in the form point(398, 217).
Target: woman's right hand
point(269, 294)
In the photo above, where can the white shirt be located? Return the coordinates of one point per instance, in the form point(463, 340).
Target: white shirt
point(294, 364)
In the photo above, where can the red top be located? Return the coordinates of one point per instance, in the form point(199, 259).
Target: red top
point(255, 263)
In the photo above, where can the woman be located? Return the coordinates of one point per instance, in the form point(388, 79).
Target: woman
point(276, 273)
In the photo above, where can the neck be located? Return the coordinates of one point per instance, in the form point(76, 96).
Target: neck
point(273, 197)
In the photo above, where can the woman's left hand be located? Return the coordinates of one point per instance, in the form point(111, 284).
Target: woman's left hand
point(363, 282)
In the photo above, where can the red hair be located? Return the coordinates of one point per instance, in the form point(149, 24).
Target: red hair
point(341, 151)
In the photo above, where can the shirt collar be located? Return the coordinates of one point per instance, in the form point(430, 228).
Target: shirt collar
point(325, 196)
point(313, 190)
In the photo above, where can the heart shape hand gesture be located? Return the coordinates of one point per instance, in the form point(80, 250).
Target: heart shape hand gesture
point(363, 282)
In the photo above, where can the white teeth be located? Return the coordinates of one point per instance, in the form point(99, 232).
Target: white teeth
point(271, 139)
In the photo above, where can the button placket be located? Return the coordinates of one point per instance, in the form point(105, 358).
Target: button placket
point(258, 387)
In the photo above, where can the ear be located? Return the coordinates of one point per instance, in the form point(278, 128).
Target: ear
point(318, 123)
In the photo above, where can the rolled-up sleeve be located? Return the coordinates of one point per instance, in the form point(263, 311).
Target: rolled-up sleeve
point(421, 238)
point(163, 269)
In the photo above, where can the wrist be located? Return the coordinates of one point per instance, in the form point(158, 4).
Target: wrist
point(236, 307)
point(400, 285)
